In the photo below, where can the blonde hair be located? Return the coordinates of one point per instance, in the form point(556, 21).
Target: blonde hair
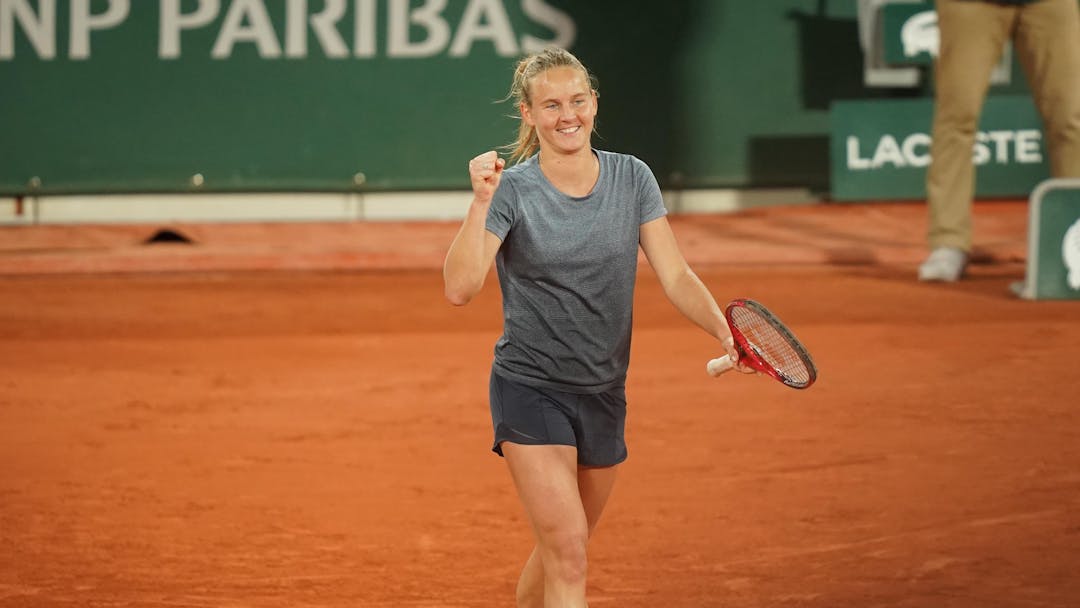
point(530, 67)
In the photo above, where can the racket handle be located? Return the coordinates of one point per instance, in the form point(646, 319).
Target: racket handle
point(719, 366)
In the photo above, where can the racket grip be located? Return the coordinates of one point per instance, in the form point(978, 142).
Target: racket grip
point(719, 365)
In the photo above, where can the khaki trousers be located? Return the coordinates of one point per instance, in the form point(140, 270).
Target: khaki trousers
point(1046, 36)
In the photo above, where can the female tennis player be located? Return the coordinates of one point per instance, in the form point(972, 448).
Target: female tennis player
point(563, 226)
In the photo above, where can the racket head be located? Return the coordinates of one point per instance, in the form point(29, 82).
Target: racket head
point(768, 346)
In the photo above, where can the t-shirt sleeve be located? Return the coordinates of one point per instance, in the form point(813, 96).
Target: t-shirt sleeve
point(500, 215)
point(649, 198)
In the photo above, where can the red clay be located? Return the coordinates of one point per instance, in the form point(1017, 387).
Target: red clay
point(322, 439)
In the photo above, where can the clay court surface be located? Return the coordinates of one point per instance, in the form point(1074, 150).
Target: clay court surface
point(292, 416)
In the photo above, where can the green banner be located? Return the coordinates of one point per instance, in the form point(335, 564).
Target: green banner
point(879, 150)
point(100, 96)
point(141, 95)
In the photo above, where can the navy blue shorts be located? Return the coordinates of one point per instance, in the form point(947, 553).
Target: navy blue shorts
point(530, 415)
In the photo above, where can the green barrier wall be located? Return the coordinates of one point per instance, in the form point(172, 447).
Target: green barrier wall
point(334, 95)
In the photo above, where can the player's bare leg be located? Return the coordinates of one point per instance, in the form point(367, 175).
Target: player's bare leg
point(594, 485)
point(546, 481)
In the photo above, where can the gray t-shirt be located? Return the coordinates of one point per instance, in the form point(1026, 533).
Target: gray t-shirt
point(567, 267)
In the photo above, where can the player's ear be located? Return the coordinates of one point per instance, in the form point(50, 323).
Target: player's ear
point(526, 113)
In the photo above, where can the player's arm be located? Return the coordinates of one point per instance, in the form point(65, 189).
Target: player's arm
point(473, 250)
point(681, 285)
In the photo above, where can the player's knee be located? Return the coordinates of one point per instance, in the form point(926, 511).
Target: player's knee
point(566, 554)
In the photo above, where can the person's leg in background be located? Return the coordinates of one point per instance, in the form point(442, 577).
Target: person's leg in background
point(973, 36)
point(1048, 44)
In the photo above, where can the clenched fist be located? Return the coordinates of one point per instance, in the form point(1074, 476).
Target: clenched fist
point(485, 171)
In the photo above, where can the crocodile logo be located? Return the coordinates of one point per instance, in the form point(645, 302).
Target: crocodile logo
point(920, 33)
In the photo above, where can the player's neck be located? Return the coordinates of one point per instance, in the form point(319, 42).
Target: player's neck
point(574, 174)
point(581, 164)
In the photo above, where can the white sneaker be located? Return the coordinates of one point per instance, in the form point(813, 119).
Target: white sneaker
point(944, 264)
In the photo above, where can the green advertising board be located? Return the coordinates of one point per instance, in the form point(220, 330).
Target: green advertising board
point(1053, 261)
point(105, 96)
point(220, 95)
point(880, 149)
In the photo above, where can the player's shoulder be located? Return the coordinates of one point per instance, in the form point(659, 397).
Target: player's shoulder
point(516, 179)
point(621, 159)
point(519, 176)
point(522, 169)
point(619, 163)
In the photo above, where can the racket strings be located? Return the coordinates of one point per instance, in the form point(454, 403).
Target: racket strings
point(772, 345)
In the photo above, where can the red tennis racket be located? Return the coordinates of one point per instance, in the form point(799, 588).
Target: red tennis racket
point(766, 345)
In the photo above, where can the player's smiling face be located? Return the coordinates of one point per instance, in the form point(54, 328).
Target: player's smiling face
point(562, 110)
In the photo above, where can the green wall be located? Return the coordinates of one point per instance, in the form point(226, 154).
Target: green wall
point(710, 93)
